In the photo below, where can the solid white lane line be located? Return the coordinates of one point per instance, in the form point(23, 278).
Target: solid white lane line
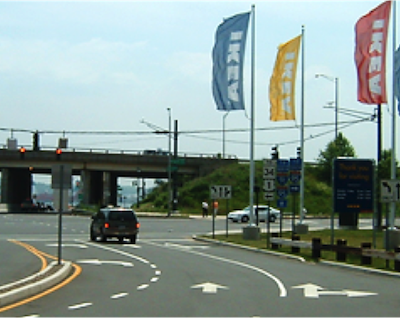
point(140, 259)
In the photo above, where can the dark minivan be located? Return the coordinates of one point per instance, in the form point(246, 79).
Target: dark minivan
point(114, 222)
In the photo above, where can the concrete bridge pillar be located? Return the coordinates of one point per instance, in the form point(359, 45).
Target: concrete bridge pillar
point(110, 188)
point(92, 187)
point(99, 188)
point(16, 185)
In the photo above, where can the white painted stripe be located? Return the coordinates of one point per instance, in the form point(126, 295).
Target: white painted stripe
point(135, 246)
point(79, 306)
point(140, 259)
point(158, 273)
point(154, 279)
point(153, 266)
point(120, 295)
point(141, 287)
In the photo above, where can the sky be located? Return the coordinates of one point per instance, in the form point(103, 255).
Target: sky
point(104, 74)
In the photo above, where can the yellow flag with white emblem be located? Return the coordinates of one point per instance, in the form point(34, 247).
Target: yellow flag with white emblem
point(282, 82)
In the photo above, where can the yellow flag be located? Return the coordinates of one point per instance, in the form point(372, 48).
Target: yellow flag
point(282, 82)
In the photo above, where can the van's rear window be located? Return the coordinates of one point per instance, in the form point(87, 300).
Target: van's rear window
point(121, 216)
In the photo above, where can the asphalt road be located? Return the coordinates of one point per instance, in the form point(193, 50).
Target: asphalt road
point(168, 274)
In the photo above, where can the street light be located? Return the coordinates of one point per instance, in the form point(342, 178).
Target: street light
point(354, 113)
point(335, 80)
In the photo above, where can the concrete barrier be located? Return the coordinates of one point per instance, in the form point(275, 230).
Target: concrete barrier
point(35, 284)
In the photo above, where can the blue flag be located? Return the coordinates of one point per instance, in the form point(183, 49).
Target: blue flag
point(396, 70)
point(228, 57)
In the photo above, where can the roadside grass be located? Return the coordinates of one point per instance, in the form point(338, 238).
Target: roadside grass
point(354, 238)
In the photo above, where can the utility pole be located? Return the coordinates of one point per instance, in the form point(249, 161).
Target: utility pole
point(175, 174)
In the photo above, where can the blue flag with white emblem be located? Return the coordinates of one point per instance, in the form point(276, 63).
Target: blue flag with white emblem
point(228, 57)
point(396, 81)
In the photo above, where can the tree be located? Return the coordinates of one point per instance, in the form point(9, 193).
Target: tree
point(340, 147)
point(385, 165)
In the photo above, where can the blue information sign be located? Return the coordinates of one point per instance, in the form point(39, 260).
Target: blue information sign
point(282, 165)
point(295, 164)
point(353, 185)
point(281, 203)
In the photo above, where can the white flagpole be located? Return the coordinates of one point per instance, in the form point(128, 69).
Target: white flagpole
point(251, 184)
point(302, 127)
point(394, 112)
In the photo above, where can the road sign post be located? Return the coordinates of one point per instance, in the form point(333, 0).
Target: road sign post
point(220, 192)
point(282, 177)
point(269, 177)
point(61, 179)
point(390, 192)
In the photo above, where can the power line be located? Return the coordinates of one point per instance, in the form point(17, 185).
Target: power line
point(193, 133)
point(165, 131)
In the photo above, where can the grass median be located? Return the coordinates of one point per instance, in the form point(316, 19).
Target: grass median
point(354, 238)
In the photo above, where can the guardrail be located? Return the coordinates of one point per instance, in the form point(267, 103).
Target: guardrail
point(365, 252)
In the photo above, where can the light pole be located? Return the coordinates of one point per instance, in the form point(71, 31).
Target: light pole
point(335, 80)
point(169, 162)
point(223, 134)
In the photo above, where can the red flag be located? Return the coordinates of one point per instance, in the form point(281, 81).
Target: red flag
point(370, 54)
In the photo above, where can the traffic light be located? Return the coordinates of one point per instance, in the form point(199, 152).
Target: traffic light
point(298, 152)
point(36, 141)
point(22, 151)
point(275, 153)
point(58, 153)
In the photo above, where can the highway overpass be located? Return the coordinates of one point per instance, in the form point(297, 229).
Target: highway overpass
point(98, 171)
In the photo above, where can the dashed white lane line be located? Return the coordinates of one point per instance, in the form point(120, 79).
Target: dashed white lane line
point(79, 306)
point(154, 279)
point(120, 295)
point(141, 287)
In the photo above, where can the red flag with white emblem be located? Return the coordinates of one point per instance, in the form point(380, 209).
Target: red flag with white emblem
point(370, 54)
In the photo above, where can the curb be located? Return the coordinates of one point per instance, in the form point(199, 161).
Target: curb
point(253, 249)
point(38, 284)
point(360, 268)
point(299, 258)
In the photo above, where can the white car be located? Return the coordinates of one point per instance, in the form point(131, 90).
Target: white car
point(244, 215)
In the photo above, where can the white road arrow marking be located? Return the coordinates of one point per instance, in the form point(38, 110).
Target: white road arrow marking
point(314, 291)
point(310, 290)
point(354, 293)
point(98, 262)
point(209, 288)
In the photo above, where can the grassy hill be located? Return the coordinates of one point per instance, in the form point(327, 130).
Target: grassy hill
point(317, 195)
